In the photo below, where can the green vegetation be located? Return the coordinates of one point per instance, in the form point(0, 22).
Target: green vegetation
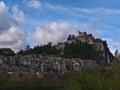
point(29, 84)
point(89, 80)
point(107, 78)
point(6, 51)
point(82, 50)
point(43, 50)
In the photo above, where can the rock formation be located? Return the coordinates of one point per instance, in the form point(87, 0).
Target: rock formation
point(100, 47)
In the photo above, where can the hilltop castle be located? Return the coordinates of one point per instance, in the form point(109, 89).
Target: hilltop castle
point(100, 46)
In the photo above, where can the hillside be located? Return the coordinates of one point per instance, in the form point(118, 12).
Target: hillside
point(83, 46)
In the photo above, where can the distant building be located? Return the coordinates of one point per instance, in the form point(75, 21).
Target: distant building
point(100, 46)
point(60, 46)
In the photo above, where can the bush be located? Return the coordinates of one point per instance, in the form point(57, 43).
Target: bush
point(94, 80)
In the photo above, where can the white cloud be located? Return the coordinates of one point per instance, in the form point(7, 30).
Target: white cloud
point(57, 7)
point(11, 33)
point(98, 10)
point(33, 3)
point(5, 20)
point(3, 7)
point(113, 43)
point(94, 11)
point(103, 15)
point(13, 38)
point(58, 32)
point(54, 32)
point(19, 15)
point(89, 29)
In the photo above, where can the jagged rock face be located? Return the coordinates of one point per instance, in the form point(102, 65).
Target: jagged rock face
point(99, 46)
point(86, 38)
point(81, 37)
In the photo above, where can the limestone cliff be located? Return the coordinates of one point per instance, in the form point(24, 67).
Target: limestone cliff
point(101, 50)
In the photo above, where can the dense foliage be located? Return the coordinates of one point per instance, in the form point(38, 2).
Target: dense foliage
point(43, 50)
point(82, 50)
point(107, 78)
point(6, 51)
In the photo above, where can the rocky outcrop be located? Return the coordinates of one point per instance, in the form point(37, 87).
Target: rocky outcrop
point(100, 47)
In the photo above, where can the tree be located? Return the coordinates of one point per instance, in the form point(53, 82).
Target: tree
point(27, 48)
point(82, 50)
point(116, 53)
point(49, 44)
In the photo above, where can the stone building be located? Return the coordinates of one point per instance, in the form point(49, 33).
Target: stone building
point(99, 46)
point(60, 46)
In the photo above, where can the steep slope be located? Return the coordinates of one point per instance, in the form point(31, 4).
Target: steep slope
point(85, 46)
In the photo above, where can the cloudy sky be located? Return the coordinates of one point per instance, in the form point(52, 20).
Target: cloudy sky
point(35, 22)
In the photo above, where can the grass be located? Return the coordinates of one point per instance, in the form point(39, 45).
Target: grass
point(102, 79)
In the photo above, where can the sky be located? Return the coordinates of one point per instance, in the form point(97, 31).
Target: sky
point(36, 22)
